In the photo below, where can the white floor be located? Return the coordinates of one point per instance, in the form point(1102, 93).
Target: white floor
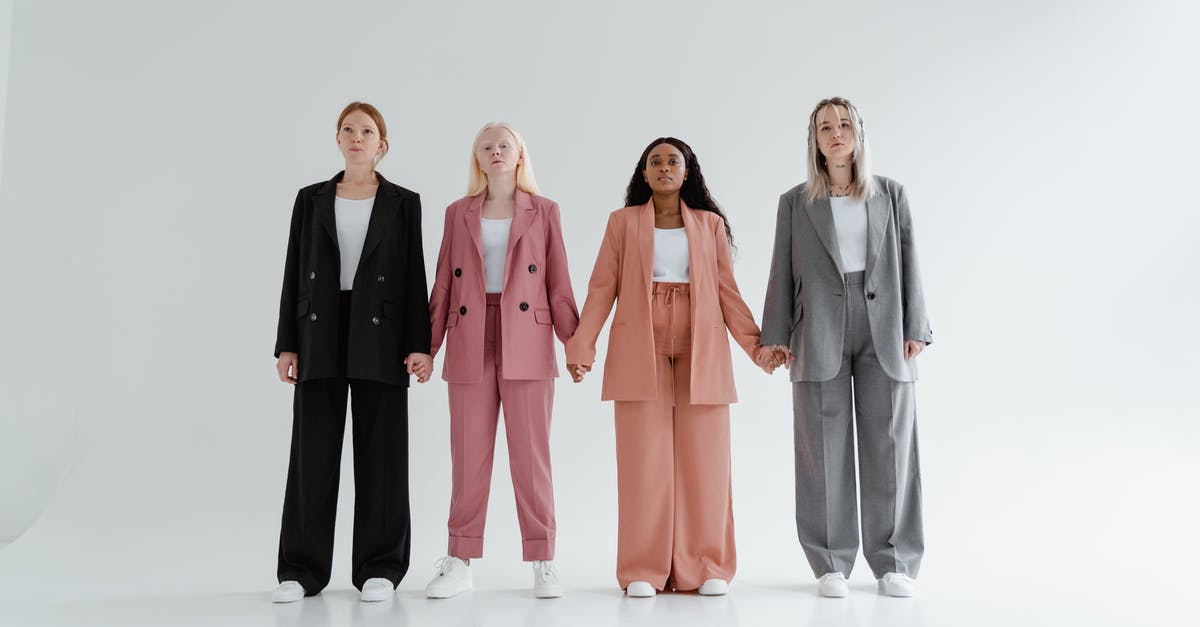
point(748, 604)
point(129, 600)
point(1017, 534)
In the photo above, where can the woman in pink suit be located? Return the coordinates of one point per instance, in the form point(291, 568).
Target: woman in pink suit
point(665, 260)
point(501, 294)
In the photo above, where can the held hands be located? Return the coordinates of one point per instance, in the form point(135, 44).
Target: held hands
point(419, 364)
point(288, 367)
point(912, 348)
point(771, 357)
point(577, 371)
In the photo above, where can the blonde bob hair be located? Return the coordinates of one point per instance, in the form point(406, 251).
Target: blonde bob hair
point(862, 184)
point(477, 179)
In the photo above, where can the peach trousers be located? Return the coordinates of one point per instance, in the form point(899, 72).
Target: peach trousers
point(474, 414)
point(675, 518)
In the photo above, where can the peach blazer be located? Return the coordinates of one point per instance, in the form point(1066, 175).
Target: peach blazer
point(623, 272)
point(536, 298)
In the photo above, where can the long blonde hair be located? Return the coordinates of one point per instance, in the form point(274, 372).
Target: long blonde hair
point(862, 184)
point(477, 179)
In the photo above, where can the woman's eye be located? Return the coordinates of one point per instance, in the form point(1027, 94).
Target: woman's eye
point(367, 131)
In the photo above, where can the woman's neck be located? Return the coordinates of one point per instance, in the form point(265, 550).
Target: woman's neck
point(359, 175)
point(666, 204)
point(839, 173)
point(502, 188)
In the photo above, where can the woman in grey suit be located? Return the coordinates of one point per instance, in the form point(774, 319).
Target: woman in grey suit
point(845, 309)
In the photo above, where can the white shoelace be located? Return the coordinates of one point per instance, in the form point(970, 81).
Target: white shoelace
point(443, 565)
point(547, 569)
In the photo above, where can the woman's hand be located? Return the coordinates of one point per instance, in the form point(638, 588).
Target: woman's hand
point(288, 367)
point(768, 358)
point(577, 371)
point(419, 364)
point(912, 348)
point(771, 357)
point(765, 358)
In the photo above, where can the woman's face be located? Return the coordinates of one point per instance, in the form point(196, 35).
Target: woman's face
point(359, 139)
point(835, 133)
point(497, 151)
point(665, 169)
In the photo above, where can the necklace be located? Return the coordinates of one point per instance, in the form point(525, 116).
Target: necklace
point(839, 191)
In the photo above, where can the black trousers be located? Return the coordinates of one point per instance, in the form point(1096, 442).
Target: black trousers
point(381, 515)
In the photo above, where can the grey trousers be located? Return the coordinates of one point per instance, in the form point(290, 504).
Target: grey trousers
point(883, 412)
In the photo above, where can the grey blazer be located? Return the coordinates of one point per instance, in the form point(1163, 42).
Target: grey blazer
point(806, 302)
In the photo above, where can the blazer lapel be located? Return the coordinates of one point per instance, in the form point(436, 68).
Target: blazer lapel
point(323, 209)
point(878, 212)
point(522, 220)
point(698, 262)
point(695, 235)
point(383, 212)
point(821, 215)
point(474, 227)
point(645, 240)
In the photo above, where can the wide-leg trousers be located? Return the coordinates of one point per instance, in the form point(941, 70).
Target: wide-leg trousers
point(675, 506)
point(860, 401)
point(474, 415)
point(381, 510)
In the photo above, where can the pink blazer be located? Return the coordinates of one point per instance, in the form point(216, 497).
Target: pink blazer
point(536, 297)
point(623, 272)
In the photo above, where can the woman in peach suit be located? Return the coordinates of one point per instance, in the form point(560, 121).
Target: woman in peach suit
point(501, 294)
point(665, 260)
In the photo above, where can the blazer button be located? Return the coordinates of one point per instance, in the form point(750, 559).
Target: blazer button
point(379, 278)
point(312, 316)
point(312, 275)
point(524, 306)
point(375, 320)
point(870, 295)
point(458, 272)
point(462, 311)
point(532, 268)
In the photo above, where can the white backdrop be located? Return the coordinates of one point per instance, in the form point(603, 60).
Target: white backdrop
point(152, 152)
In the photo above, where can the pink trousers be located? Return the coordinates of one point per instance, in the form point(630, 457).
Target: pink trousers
point(474, 413)
point(675, 520)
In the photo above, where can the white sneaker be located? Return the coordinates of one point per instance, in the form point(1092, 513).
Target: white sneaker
point(287, 592)
point(545, 580)
point(640, 589)
point(897, 585)
point(377, 589)
point(453, 577)
point(714, 587)
point(833, 585)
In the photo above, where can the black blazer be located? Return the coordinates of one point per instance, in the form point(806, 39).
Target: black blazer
point(389, 311)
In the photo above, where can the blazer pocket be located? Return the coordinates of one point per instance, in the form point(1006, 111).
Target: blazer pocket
point(616, 324)
point(797, 316)
point(392, 311)
point(301, 307)
point(452, 320)
point(542, 316)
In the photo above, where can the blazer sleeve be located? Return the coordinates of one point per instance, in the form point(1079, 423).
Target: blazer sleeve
point(602, 293)
point(916, 322)
point(439, 299)
point(737, 315)
point(781, 285)
point(286, 333)
point(563, 311)
point(416, 294)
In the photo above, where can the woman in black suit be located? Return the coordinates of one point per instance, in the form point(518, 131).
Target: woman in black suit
point(353, 316)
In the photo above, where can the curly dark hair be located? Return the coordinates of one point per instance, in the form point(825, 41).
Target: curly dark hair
point(694, 192)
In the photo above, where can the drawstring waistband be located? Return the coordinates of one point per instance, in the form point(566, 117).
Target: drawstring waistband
point(668, 292)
